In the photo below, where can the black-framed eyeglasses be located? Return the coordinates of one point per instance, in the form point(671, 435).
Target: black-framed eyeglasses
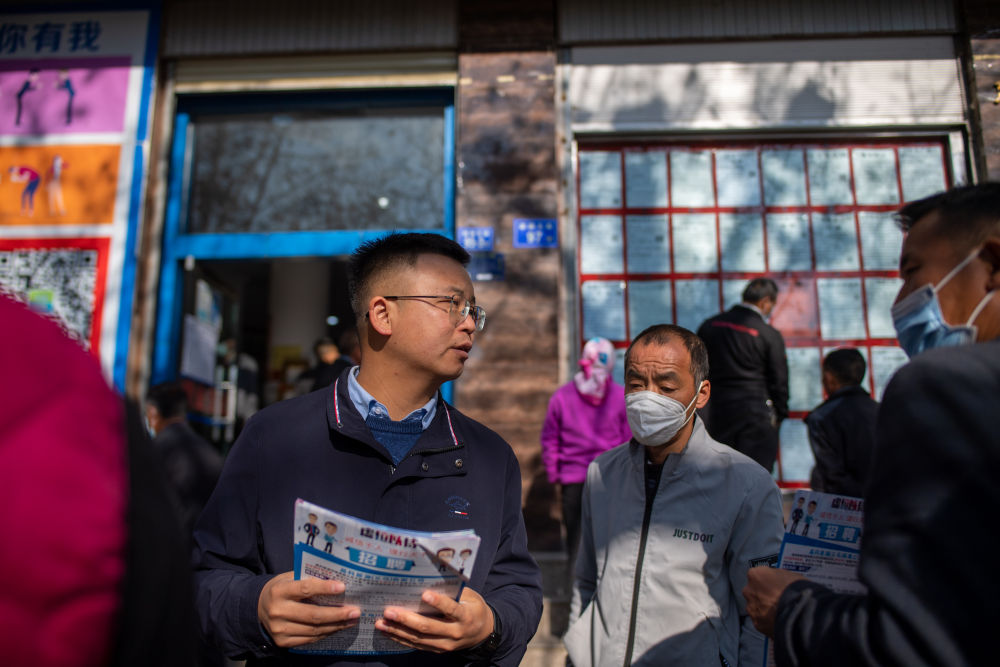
point(457, 313)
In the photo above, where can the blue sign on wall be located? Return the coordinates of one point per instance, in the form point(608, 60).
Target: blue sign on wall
point(476, 239)
point(535, 233)
point(486, 266)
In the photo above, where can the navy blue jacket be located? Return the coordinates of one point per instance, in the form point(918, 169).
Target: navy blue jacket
point(459, 475)
point(930, 540)
point(842, 437)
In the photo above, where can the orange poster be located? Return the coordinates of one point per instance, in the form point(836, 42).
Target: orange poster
point(52, 185)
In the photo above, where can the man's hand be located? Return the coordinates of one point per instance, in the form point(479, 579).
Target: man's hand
point(762, 592)
point(466, 623)
point(286, 613)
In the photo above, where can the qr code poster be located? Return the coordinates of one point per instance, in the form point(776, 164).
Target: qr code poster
point(63, 279)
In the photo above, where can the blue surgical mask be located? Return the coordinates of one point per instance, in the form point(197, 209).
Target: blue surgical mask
point(920, 325)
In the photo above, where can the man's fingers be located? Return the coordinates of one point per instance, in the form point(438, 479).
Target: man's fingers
point(420, 635)
point(443, 604)
point(307, 588)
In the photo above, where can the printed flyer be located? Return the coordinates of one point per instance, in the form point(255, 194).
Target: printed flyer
point(381, 566)
point(822, 542)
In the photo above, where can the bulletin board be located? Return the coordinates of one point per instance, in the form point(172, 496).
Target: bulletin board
point(672, 234)
point(75, 91)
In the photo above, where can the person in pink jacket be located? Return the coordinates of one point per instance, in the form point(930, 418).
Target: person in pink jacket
point(586, 417)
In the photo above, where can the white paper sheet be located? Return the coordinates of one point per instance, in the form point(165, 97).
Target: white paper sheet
point(600, 179)
point(603, 309)
point(788, 242)
point(805, 387)
point(732, 292)
point(601, 244)
point(695, 249)
point(875, 176)
point(742, 240)
point(691, 179)
point(921, 169)
point(646, 179)
point(618, 372)
point(649, 303)
point(784, 177)
point(796, 456)
point(697, 300)
point(648, 243)
point(737, 177)
point(880, 293)
point(841, 314)
point(836, 240)
point(885, 362)
point(198, 351)
point(829, 176)
point(881, 241)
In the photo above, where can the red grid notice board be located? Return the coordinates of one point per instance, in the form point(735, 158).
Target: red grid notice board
point(672, 233)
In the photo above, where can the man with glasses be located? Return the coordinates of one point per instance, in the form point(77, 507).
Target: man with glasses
point(382, 445)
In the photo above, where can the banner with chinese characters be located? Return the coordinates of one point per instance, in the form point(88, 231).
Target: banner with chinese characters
point(75, 93)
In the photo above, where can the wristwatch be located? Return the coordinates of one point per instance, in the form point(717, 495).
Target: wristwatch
point(489, 646)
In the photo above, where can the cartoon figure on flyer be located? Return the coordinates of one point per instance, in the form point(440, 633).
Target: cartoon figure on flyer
point(463, 556)
point(444, 556)
point(811, 509)
point(31, 178)
point(26, 87)
point(797, 514)
point(331, 531)
point(312, 530)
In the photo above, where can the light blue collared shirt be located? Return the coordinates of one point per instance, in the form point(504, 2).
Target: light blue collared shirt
point(365, 403)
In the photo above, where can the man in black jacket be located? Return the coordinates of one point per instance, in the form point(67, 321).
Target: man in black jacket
point(190, 463)
point(928, 550)
point(842, 428)
point(749, 375)
point(383, 446)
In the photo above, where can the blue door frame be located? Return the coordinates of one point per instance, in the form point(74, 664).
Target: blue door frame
point(178, 245)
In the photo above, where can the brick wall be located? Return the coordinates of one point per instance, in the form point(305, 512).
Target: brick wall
point(506, 169)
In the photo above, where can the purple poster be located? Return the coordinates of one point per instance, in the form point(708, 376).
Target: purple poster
point(55, 96)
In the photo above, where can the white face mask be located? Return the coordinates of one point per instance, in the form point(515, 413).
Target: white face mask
point(654, 418)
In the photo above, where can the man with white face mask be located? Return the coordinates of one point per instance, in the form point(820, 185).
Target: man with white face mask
point(929, 548)
point(672, 521)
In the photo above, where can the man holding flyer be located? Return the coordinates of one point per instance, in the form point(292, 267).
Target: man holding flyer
point(380, 445)
point(929, 549)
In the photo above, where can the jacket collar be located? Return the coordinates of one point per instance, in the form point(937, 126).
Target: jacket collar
point(695, 443)
point(343, 417)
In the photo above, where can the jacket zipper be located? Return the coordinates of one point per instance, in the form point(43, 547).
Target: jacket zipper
point(638, 574)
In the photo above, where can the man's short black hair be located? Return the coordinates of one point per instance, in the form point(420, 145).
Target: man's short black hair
point(846, 365)
point(169, 399)
point(389, 252)
point(760, 288)
point(968, 215)
point(661, 334)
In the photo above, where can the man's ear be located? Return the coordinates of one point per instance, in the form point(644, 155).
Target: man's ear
point(991, 255)
point(379, 315)
point(703, 395)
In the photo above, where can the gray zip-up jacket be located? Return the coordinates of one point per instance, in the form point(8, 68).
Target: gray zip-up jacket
point(661, 584)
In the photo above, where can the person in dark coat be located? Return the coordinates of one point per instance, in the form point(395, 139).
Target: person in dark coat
point(842, 428)
point(749, 375)
point(329, 365)
point(928, 550)
point(191, 464)
point(381, 445)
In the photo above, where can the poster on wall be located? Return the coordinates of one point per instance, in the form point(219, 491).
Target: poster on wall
point(75, 91)
point(59, 278)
